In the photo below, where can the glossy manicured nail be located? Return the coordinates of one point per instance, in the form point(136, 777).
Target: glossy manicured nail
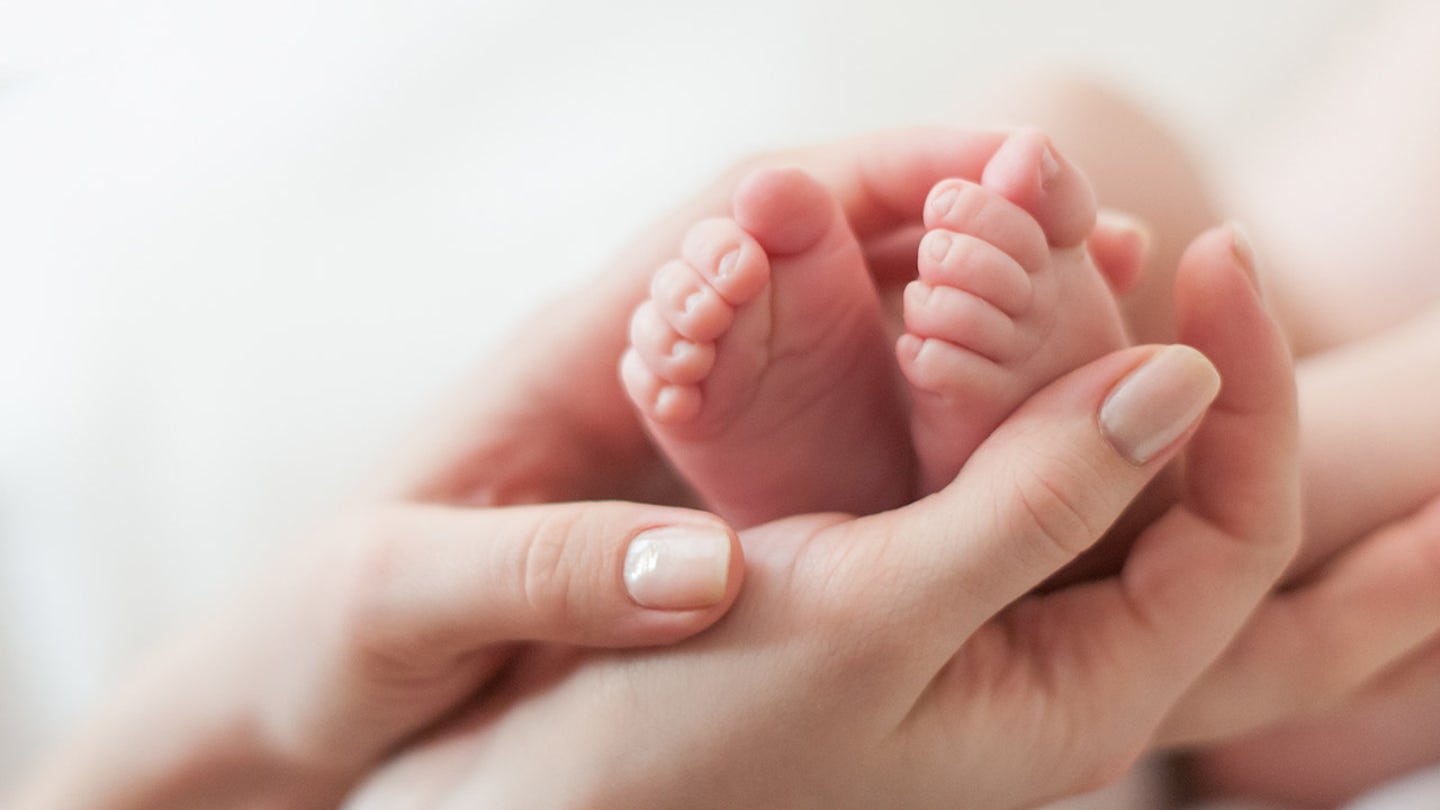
point(678, 567)
point(1158, 402)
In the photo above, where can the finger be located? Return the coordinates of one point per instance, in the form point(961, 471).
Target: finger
point(1311, 647)
point(1245, 480)
point(887, 201)
point(881, 180)
point(428, 583)
point(1390, 730)
point(1041, 489)
point(1195, 575)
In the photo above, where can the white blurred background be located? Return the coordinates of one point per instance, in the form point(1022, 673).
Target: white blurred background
point(244, 245)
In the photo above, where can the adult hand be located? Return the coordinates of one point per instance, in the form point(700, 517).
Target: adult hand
point(1332, 689)
point(548, 420)
point(1387, 729)
point(1293, 711)
point(370, 635)
point(884, 660)
point(1337, 636)
point(404, 610)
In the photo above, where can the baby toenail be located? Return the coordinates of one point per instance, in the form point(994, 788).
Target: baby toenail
point(918, 292)
point(938, 243)
point(1049, 168)
point(944, 201)
point(680, 348)
point(692, 301)
point(727, 263)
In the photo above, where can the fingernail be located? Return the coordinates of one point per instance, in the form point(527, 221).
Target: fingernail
point(678, 567)
point(1158, 402)
point(1243, 252)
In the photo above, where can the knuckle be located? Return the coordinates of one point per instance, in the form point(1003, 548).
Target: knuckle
point(855, 602)
point(1055, 503)
point(547, 579)
point(830, 576)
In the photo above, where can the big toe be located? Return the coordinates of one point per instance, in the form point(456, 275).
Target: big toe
point(786, 210)
point(1030, 172)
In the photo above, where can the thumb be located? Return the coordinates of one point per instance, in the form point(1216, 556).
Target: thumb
point(1046, 485)
point(443, 581)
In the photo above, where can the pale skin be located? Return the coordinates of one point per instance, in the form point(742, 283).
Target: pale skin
point(1360, 472)
point(761, 361)
point(1356, 290)
point(1334, 494)
point(802, 638)
point(491, 454)
point(1223, 702)
point(769, 387)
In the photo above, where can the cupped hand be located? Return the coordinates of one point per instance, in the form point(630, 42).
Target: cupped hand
point(1336, 637)
point(886, 661)
point(1381, 732)
point(376, 631)
point(403, 610)
point(547, 419)
point(1334, 687)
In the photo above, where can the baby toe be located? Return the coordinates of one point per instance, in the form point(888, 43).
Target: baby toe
point(657, 399)
point(956, 316)
point(962, 261)
point(728, 258)
point(1028, 171)
point(963, 207)
point(689, 304)
point(669, 355)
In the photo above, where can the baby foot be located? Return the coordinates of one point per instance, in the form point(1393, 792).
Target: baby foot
point(1002, 305)
point(759, 362)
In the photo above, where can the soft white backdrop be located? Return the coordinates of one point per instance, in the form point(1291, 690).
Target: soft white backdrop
point(243, 245)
